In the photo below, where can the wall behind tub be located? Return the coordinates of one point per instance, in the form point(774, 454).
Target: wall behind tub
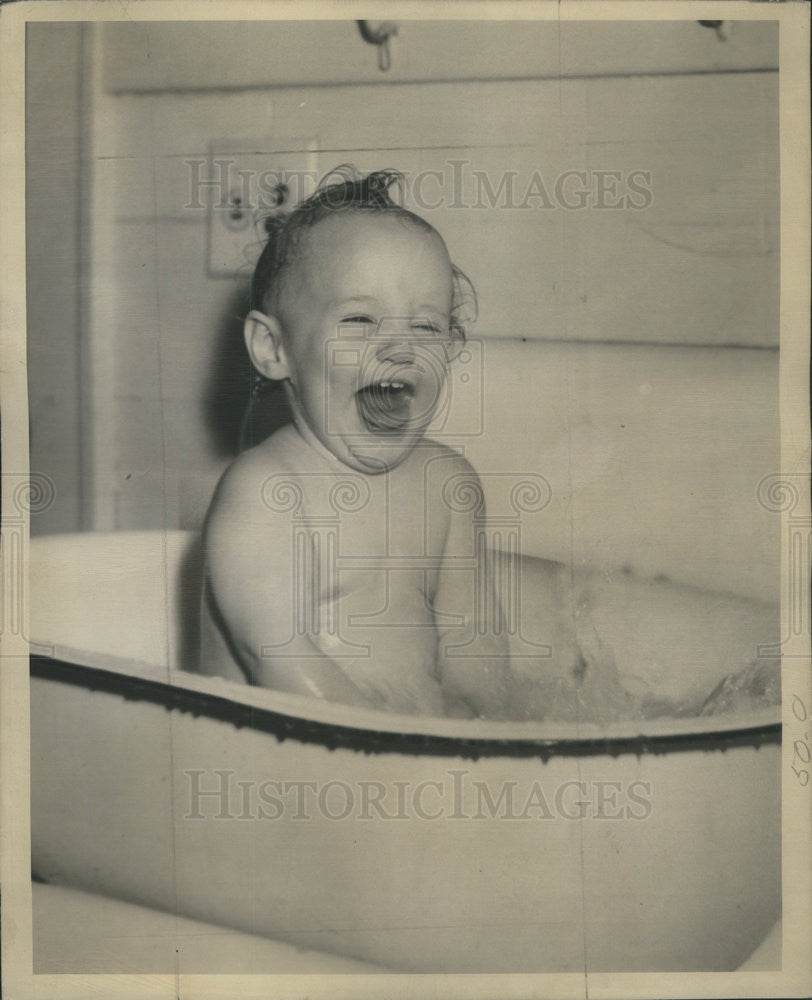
point(653, 451)
point(54, 269)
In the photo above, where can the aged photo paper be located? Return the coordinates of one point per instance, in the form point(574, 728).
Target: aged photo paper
point(405, 499)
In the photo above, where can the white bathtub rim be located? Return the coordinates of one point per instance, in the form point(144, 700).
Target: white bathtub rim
point(310, 710)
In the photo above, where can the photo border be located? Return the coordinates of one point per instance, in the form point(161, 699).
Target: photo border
point(20, 983)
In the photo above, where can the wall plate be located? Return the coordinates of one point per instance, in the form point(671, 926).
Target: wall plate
point(249, 180)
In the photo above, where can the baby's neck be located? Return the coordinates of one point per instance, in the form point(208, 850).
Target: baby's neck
point(314, 449)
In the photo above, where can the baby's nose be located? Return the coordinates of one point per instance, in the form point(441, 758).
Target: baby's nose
point(397, 351)
point(395, 343)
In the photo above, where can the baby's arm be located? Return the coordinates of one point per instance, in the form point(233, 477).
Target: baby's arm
point(472, 643)
point(250, 572)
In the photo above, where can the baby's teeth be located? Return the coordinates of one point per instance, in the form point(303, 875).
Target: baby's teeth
point(388, 384)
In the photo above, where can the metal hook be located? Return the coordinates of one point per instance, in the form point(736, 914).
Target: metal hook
point(380, 37)
point(384, 56)
point(718, 27)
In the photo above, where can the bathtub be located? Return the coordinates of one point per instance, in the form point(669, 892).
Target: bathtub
point(417, 845)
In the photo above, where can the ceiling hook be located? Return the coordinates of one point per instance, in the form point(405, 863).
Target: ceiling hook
point(379, 36)
point(719, 27)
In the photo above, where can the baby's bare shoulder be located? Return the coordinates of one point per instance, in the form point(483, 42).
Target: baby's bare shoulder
point(241, 498)
point(446, 467)
point(240, 486)
point(247, 543)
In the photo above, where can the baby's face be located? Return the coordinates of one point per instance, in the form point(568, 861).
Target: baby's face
point(365, 313)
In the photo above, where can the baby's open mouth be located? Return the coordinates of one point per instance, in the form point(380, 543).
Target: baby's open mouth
point(386, 406)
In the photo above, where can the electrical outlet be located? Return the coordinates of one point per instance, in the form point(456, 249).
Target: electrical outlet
point(248, 181)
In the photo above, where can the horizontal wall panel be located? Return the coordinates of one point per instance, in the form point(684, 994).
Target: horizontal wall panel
point(149, 56)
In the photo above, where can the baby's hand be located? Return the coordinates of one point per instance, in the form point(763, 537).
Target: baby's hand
point(475, 688)
point(455, 708)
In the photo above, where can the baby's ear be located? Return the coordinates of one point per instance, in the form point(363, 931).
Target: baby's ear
point(263, 338)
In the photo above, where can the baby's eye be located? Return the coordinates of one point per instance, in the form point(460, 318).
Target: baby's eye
point(424, 326)
point(361, 320)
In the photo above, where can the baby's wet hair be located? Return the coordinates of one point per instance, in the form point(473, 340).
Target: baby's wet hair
point(346, 190)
